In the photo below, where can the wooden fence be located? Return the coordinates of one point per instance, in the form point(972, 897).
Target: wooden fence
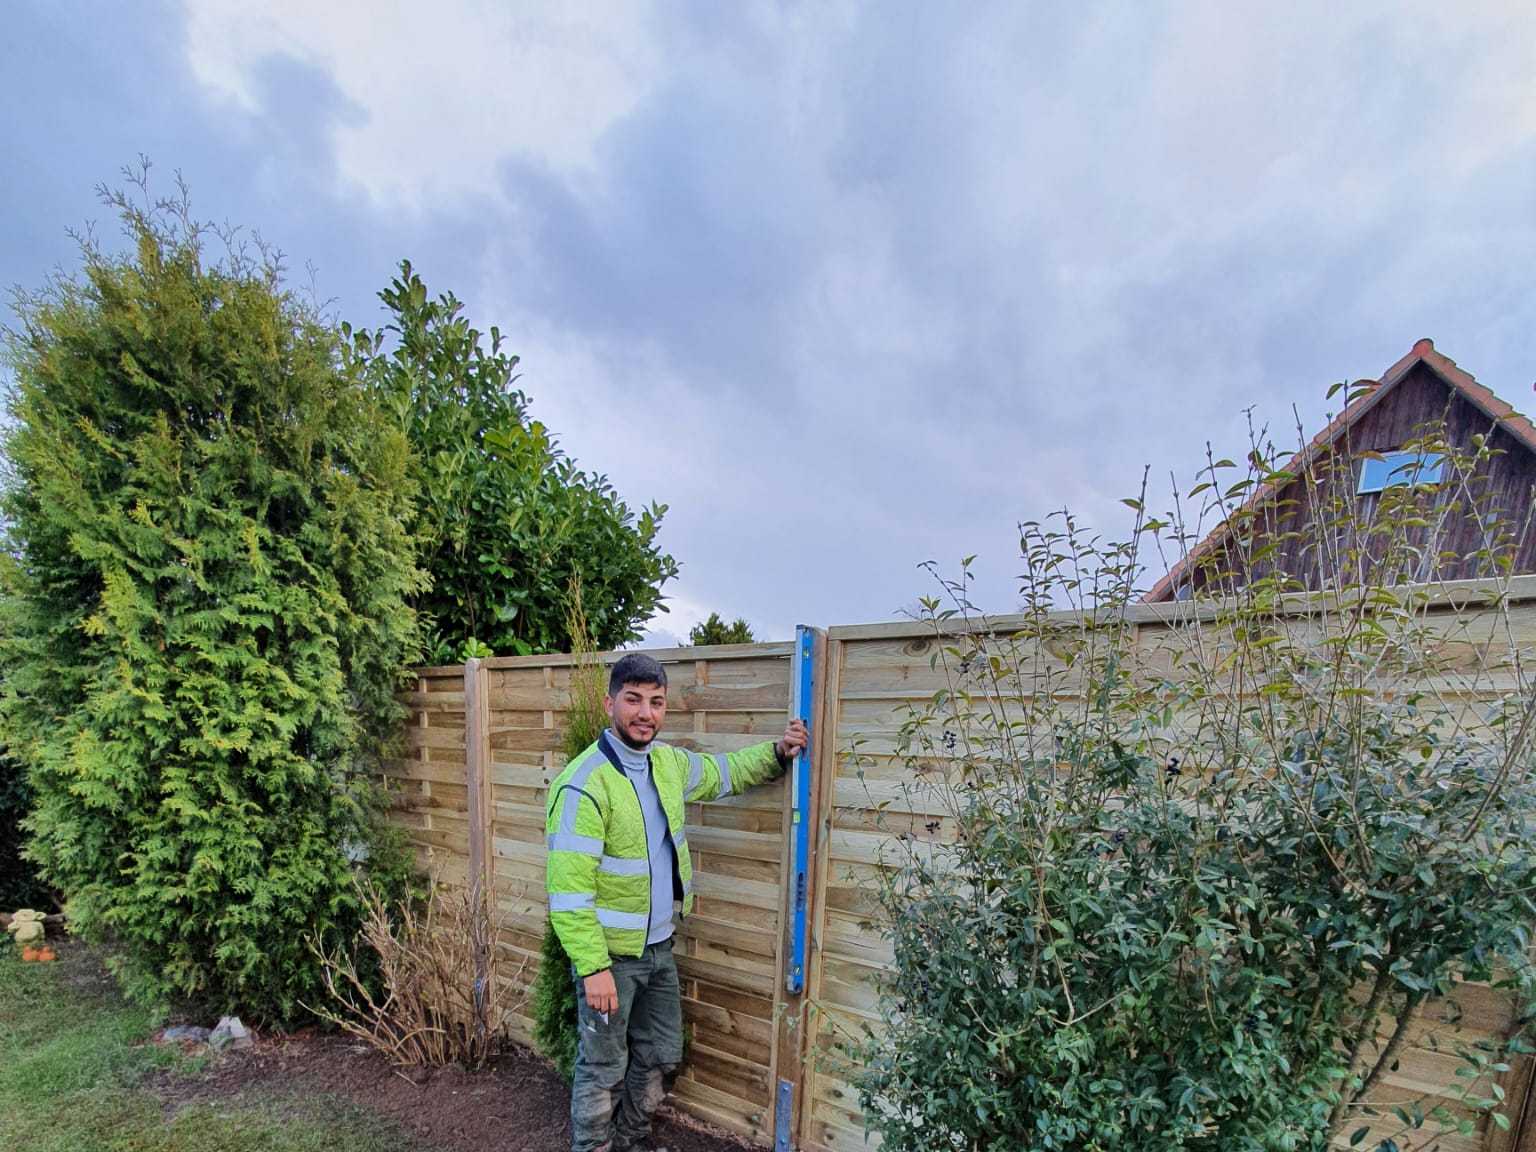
point(764, 1061)
point(474, 804)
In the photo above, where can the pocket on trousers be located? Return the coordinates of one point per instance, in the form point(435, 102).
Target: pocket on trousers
point(603, 1042)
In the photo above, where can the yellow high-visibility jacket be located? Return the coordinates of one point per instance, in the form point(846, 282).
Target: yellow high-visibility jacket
point(599, 870)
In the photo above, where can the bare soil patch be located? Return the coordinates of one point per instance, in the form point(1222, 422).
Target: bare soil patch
point(515, 1104)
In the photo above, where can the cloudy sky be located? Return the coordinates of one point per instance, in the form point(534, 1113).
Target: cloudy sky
point(848, 286)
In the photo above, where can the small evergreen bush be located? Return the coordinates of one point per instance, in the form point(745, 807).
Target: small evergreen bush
point(715, 630)
point(553, 1000)
point(553, 1006)
point(208, 616)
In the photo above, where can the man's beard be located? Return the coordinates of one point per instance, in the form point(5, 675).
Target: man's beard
point(622, 733)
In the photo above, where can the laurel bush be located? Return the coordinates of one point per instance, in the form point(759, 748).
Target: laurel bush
point(506, 520)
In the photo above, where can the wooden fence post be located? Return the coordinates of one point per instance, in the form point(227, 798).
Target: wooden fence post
point(477, 758)
point(829, 685)
point(808, 687)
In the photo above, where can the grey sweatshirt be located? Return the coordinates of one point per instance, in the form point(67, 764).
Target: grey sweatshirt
point(637, 766)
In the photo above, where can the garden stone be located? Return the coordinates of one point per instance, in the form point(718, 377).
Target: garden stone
point(190, 1032)
point(230, 1033)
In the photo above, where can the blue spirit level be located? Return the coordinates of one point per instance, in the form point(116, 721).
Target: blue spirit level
point(800, 789)
point(802, 668)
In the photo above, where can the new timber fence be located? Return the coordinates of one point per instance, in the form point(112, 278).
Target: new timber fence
point(779, 959)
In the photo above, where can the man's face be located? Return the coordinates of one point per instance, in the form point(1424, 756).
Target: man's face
point(636, 712)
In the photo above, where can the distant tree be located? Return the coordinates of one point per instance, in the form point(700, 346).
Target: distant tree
point(506, 520)
point(205, 618)
point(717, 631)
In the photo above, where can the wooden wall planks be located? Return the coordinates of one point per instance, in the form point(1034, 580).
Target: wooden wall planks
point(428, 787)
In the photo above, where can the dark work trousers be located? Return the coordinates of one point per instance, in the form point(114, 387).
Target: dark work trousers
point(625, 1064)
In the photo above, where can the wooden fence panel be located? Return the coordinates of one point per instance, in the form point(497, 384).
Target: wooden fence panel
point(428, 786)
point(877, 672)
point(719, 700)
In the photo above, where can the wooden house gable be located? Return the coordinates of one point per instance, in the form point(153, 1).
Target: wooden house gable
point(1424, 389)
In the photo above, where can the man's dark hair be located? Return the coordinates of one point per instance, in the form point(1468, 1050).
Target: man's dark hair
point(636, 668)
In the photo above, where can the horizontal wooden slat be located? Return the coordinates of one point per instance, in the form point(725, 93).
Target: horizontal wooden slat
point(748, 845)
point(452, 737)
point(725, 975)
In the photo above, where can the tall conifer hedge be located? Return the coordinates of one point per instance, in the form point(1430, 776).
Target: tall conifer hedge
point(208, 614)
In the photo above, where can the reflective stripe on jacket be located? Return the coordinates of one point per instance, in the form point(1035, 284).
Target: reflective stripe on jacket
point(598, 870)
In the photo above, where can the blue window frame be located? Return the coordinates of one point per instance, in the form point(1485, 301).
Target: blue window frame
point(1396, 469)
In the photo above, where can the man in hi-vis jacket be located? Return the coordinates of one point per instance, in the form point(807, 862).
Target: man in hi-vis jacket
point(618, 859)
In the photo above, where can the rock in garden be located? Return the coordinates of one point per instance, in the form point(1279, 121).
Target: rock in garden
point(184, 1032)
point(230, 1033)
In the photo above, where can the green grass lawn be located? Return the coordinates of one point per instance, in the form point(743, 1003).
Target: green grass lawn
point(73, 1065)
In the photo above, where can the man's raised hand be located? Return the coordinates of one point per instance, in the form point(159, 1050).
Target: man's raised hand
point(795, 739)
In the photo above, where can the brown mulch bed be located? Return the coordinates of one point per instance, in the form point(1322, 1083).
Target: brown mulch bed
point(516, 1104)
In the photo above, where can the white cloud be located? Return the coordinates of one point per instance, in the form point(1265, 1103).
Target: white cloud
point(443, 93)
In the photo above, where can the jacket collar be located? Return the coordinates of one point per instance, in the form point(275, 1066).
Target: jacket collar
point(612, 753)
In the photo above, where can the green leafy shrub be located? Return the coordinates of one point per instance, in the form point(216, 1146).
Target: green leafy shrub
point(506, 519)
point(1186, 875)
point(552, 1002)
point(208, 617)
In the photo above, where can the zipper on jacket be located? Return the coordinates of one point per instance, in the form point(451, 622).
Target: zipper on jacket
point(677, 857)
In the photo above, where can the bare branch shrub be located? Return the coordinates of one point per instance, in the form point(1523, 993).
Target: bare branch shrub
point(430, 1010)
